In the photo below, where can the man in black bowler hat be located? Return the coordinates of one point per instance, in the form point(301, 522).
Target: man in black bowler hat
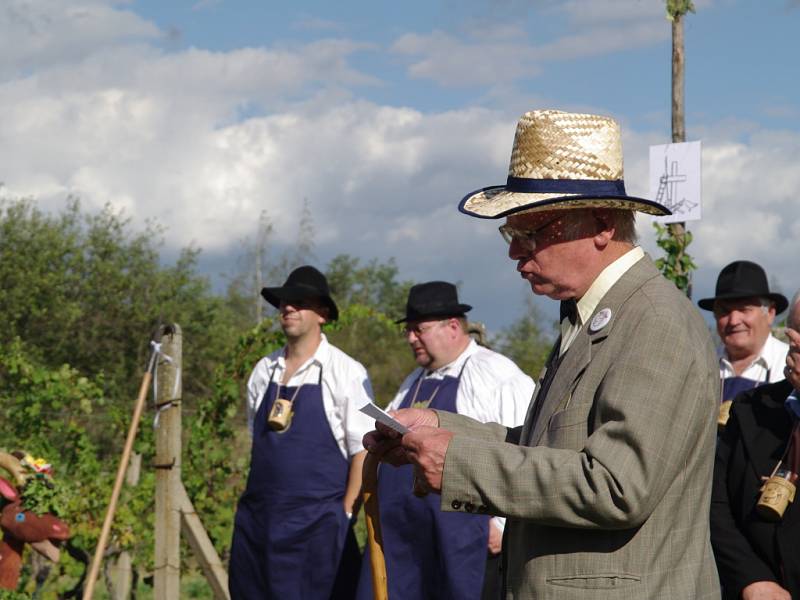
point(431, 554)
point(293, 534)
point(744, 309)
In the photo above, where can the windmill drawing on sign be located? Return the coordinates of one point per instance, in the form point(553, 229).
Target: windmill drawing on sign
point(668, 186)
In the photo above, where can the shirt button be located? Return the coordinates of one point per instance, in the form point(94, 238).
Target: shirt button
point(469, 507)
point(456, 504)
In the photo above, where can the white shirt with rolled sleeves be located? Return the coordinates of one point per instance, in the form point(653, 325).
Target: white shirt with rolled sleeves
point(493, 389)
point(766, 368)
point(345, 389)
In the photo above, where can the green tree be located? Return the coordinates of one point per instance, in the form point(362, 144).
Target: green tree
point(374, 284)
point(376, 341)
point(56, 413)
point(525, 341)
point(81, 294)
point(85, 290)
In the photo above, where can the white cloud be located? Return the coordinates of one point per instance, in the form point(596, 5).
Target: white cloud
point(203, 141)
point(42, 33)
point(450, 61)
point(503, 52)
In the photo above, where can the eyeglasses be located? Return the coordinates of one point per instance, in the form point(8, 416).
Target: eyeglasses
point(420, 329)
point(299, 304)
point(525, 237)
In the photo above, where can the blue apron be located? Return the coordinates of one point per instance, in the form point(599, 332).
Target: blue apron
point(291, 531)
point(430, 554)
point(733, 386)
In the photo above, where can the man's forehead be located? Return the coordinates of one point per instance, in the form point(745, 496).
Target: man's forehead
point(533, 219)
point(415, 322)
point(736, 303)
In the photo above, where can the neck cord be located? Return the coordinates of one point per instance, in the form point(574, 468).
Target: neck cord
point(416, 391)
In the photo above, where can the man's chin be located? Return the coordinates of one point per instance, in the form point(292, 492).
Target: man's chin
point(422, 360)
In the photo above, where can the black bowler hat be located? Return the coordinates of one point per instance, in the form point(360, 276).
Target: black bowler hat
point(743, 279)
point(304, 283)
point(433, 299)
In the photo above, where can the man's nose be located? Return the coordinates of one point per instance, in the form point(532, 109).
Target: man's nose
point(287, 307)
point(735, 317)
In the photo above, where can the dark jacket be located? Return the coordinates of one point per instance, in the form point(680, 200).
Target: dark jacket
point(748, 548)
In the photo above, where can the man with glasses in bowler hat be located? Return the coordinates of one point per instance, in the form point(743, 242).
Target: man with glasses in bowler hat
point(430, 554)
point(744, 310)
point(606, 486)
point(293, 535)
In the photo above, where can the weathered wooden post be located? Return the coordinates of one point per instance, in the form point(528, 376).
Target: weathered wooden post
point(166, 575)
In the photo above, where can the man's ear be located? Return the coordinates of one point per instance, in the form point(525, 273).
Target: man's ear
point(604, 230)
point(324, 313)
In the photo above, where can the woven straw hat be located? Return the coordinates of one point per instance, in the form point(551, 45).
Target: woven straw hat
point(560, 161)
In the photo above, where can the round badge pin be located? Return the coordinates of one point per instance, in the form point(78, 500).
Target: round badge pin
point(600, 320)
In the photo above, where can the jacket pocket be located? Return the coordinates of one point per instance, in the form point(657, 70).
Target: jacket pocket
point(568, 417)
point(596, 581)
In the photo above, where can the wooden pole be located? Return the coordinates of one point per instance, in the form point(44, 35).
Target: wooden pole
point(374, 535)
point(203, 549)
point(123, 466)
point(167, 562)
point(678, 109)
point(678, 230)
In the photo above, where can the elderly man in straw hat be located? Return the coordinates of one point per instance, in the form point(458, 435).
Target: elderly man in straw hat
point(606, 486)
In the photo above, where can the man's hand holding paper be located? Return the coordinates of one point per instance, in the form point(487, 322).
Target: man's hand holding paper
point(424, 446)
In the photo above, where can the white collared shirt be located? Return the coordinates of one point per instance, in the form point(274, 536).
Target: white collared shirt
point(492, 388)
point(600, 286)
point(345, 389)
point(766, 368)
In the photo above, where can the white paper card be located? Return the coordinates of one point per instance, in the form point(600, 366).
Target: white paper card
point(381, 416)
point(675, 180)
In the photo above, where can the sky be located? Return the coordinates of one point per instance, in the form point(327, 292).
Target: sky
point(201, 114)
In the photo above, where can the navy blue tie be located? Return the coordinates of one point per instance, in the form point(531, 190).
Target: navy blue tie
point(569, 310)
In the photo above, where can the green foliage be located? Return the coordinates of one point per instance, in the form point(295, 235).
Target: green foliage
point(83, 290)
point(525, 342)
point(41, 496)
point(678, 8)
point(49, 412)
point(80, 295)
point(374, 284)
point(676, 265)
point(375, 341)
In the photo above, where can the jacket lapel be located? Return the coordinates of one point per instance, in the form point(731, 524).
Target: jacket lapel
point(579, 355)
point(764, 436)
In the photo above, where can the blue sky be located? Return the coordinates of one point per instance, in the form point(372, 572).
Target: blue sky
point(201, 114)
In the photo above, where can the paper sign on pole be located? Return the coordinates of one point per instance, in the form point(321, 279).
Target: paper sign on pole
point(675, 180)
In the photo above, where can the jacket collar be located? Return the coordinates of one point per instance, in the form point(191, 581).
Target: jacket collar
point(579, 355)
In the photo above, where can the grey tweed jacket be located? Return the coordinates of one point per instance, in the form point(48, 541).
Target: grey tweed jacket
point(607, 494)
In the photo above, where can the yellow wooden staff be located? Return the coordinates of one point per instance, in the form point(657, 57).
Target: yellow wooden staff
point(374, 535)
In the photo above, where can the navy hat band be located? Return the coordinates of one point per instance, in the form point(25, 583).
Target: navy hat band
point(584, 187)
